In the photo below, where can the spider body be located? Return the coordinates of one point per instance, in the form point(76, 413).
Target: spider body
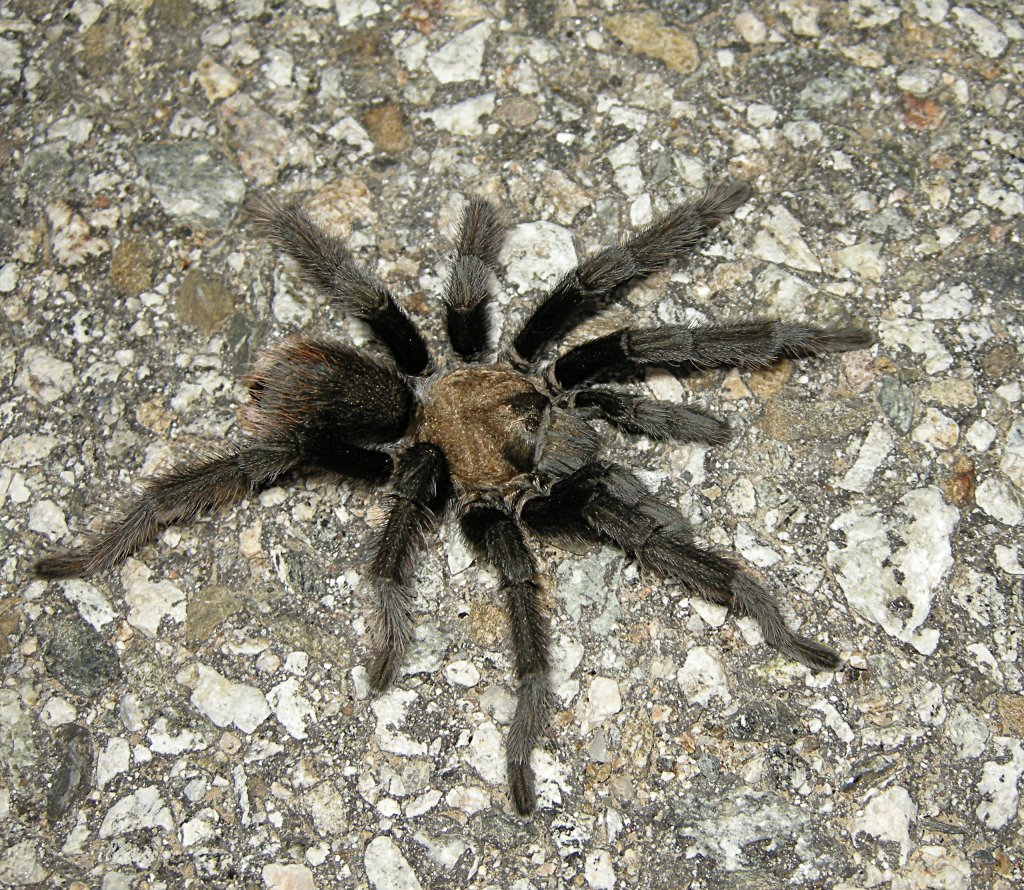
point(475, 416)
point(508, 446)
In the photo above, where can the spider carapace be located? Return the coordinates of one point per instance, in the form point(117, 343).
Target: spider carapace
point(506, 442)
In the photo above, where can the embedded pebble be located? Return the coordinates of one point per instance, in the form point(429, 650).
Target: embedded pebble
point(73, 240)
point(647, 34)
point(919, 337)
point(998, 785)
point(349, 11)
point(293, 710)
point(1012, 463)
point(462, 673)
point(217, 82)
point(934, 868)
point(888, 817)
point(20, 865)
point(47, 518)
point(150, 602)
point(741, 498)
point(875, 448)
point(933, 11)
point(10, 59)
point(535, 254)
point(80, 658)
point(953, 302)
point(779, 241)
point(986, 36)
point(142, 809)
point(750, 27)
point(598, 871)
point(278, 876)
point(224, 702)
point(460, 59)
point(44, 376)
point(463, 118)
point(997, 498)
point(936, 430)
point(113, 760)
point(897, 401)
point(603, 701)
point(192, 181)
point(387, 868)
point(863, 259)
point(201, 828)
point(390, 710)
point(918, 79)
point(486, 753)
point(864, 566)
point(702, 676)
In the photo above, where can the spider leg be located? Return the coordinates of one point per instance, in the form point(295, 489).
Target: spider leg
point(420, 491)
point(747, 344)
point(606, 501)
point(327, 264)
point(651, 417)
point(467, 293)
point(179, 495)
point(494, 535)
point(580, 291)
point(314, 406)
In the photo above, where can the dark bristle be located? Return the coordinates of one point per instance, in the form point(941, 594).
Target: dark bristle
point(73, 564)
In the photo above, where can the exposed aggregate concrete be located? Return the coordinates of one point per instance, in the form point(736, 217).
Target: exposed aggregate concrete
point(201, 715)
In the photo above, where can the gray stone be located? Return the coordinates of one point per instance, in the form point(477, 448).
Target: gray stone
point(193, 181)
point(80, 658)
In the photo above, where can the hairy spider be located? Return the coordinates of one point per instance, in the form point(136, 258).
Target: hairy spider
point(507, 444)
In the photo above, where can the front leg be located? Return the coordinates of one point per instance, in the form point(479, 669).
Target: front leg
point(420, 491)
point(494, 535)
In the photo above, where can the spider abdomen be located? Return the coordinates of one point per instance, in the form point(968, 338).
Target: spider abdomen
point(485, 421)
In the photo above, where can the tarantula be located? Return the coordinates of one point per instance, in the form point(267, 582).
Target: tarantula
point(506, 444)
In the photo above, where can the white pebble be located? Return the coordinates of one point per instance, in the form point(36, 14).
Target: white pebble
point(144, 808)
point(462, 673)
point(603, 701)
point(387, 868)
point(936, 430)
point(981, 435)
point(47, 518)
point(598, 871)
point(536, 254)
point(888, 816)
point(224, 702)
point(8, 277)
point(986, 36)
point(750, 27)
point(999, 499)
point(463, 118)
point(702, 676)
point(461, 58)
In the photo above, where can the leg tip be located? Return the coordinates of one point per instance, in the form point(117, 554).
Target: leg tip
point(521, 790)
point(63, 565)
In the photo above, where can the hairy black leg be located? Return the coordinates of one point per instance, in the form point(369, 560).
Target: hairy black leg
point(467, 294)
point(420, 491)
point(651, 417)
point(748, 344)
point(604, 500)
point(179, 495)
point(580, 291)
point(327, 264)
point(494, 535)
